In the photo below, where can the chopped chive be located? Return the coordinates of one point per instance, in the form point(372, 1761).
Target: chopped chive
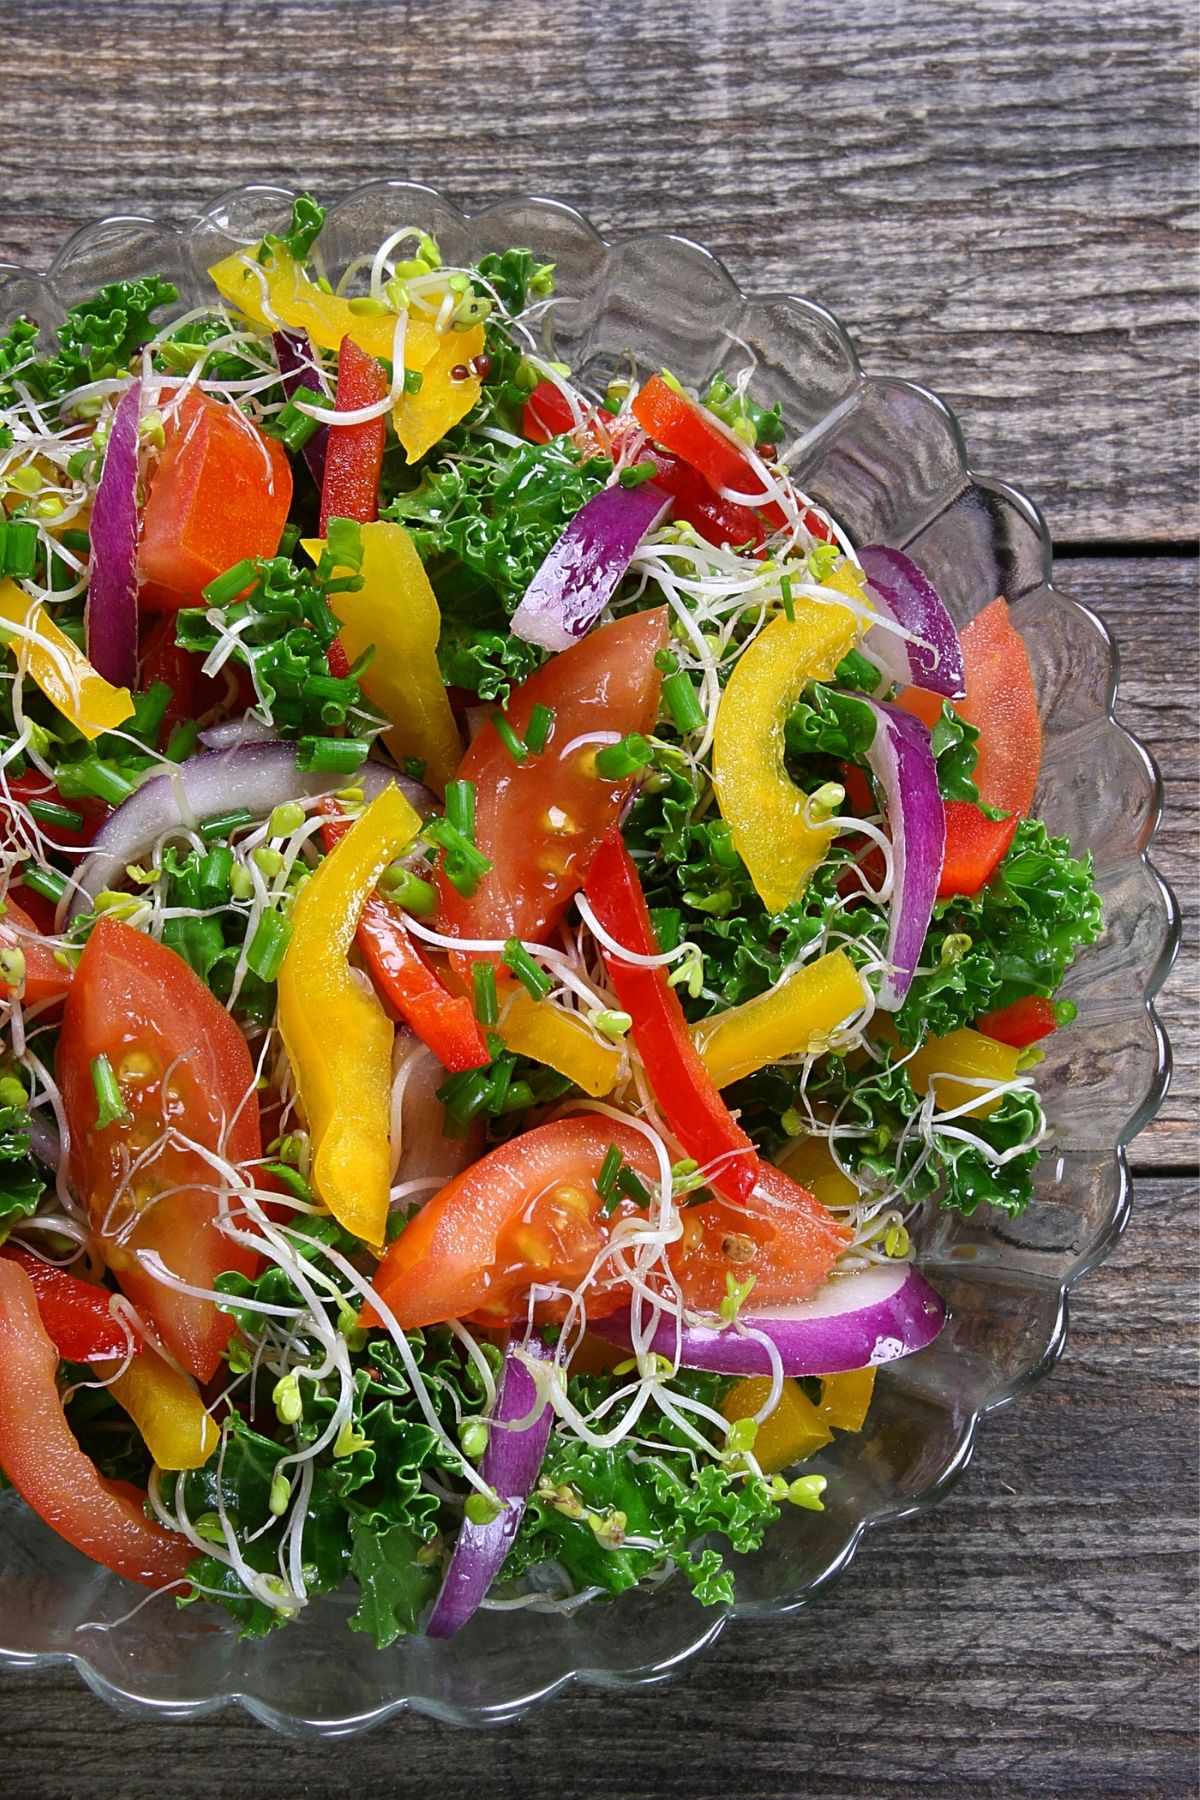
point(78, 541)
point(467, 1094)
point(686, 712)
point(101, 780)
point(785, 592)
point(1064, 1010)
point(20, 549)
point(46, 812)
point(413, 380)
point(182, 740)
point(517, 1097)
point(460, 808)
point(212, 830)
point(46, 882)
point(606, 1180)
point(502, 1075)
point(632, 1186)
point(414, 767)
point(269, 945)
point(289, 537)
point(487, 1007)
point(233, 582)
point(149, 711)
point(635, 476)
point(516, 748)
point(541, 724)
point(214, 874)
point(464, 865)
point(331, 756)
point(406, 890)
point(666, 661)
point(616, 761)
point(516, 958)
point(110, 1104)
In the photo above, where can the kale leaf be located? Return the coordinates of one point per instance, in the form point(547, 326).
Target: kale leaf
point(96, 341)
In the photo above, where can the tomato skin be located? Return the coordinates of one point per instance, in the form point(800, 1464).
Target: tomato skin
point(354, 458)
point(1022, 1023)
point(221, 492)
point(40, 1456)
point(45, 977)
point(782, 1236)
point(75, 1313)
point(475, 1248)
point(540, 821)
point(162, 659)
point(1002, 705)
point(139, 1004)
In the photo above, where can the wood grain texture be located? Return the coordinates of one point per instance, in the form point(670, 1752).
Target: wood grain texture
point(1034, 1636)
point(998, 200)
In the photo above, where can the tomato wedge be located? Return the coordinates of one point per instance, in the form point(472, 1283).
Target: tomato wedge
point(782, 1236)
point(350, 489)
point(76, 1313)
point(527, 1212)
point(539, 821)
point(179, 1060)
point(45, 977)
point(689, 1097)
point(162, 659)
point(221, 492)
point(1002, 705)
point(42, 1459)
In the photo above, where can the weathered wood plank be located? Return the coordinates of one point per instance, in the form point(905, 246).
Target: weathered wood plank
point(1034, 1635)
point(998, 201)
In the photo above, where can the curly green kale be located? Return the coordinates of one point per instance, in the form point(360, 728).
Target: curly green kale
point(96, 341)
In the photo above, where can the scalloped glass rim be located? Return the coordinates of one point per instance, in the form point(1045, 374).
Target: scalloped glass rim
point(889, 458)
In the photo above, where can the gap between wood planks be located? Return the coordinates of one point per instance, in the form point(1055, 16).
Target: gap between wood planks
point(1125, 547)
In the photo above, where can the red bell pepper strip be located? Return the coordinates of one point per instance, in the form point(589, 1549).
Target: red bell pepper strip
point(40, 1455)
point(354, 457)
point(443, 1021)
point(690, 1100)
point(75, 1313)
point(547, 414)
point(1022, 1023)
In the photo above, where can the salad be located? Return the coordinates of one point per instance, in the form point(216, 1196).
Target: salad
point(509, 921)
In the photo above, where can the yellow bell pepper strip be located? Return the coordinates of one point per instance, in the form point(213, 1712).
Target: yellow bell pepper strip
point(799, 1015)
point(277, 291)
point(62, 671)
point(966, 1053)
point(810, 1162)
point(180, 1432)
point(422, 420)
point(396, 610)
point(762, 804)
point(559, 1039)
point(791, 1431)
point(845, 1399)
point(337, 1036)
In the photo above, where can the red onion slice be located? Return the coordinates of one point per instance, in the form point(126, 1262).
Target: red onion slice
point(257, 777)
point(935, 659)
point(581, 573)
point(854, 1322)
point(110, 616)
point(295, 358)
point(511, 1464)
point(903, 762)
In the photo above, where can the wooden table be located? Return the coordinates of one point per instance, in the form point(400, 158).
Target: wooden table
point(996, 199)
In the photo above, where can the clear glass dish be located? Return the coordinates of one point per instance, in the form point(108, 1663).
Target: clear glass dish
point(888, 459)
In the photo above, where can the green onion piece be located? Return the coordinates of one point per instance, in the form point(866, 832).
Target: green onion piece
point(508, 737)
point(464, 865)
point(785, 591)
point(101, 779)
point(233, 582)
point(212, 830)
point(666, 661)
point(541, 724)
point(182, 741)
point(110, 1104)
point(47, 882)
point(606, 1180)
point(616, 761)
point(46, 812)
point(269, 945)
point(149, 711)
point(406, 890)
point(639, 473)
point(516, 1099)
point(467, 1094)
point(487, 1007)
point(632, 1186)
point(534, 980)
point(685, 709)
point(78, 541)
point(20, 549)
point(289, 537)
point(1064, 1010)
point(460, 808)
point(215, 871)
point(332, 756)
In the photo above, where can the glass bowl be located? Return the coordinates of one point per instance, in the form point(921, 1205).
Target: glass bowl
point(887, 458)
